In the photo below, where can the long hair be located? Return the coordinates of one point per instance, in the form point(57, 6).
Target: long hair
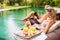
point(52, 12)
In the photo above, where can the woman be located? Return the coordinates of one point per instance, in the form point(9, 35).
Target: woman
point(46, 24)
point(49, 19)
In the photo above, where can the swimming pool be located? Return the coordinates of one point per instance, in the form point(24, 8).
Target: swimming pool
point(10, 21)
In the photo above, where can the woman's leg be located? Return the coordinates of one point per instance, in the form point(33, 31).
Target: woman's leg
point(28, 16)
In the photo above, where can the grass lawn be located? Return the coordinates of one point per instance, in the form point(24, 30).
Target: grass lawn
point(14, 7)
point(56, 7)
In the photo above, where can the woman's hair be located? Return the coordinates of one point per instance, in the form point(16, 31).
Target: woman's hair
point(52, 12)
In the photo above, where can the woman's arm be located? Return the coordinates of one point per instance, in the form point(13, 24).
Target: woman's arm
point(45, 16)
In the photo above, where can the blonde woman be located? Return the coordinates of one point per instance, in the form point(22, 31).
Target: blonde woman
point(46, 21)
point(46, 24)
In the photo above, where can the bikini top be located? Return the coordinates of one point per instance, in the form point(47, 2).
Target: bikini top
point(44, 23)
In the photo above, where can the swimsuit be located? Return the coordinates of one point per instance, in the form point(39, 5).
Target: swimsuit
point(44, 23)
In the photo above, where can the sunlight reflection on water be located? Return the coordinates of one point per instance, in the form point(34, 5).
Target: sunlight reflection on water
point(12, 28)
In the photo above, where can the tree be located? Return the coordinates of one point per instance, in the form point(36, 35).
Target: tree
point(1, 1)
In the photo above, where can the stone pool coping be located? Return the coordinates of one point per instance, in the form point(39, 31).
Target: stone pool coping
point(14, 8)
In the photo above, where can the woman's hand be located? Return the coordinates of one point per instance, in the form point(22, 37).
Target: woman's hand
point(42, 28)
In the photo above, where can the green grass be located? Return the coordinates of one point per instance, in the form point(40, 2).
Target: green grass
point(56, 7)
point(13, 7)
